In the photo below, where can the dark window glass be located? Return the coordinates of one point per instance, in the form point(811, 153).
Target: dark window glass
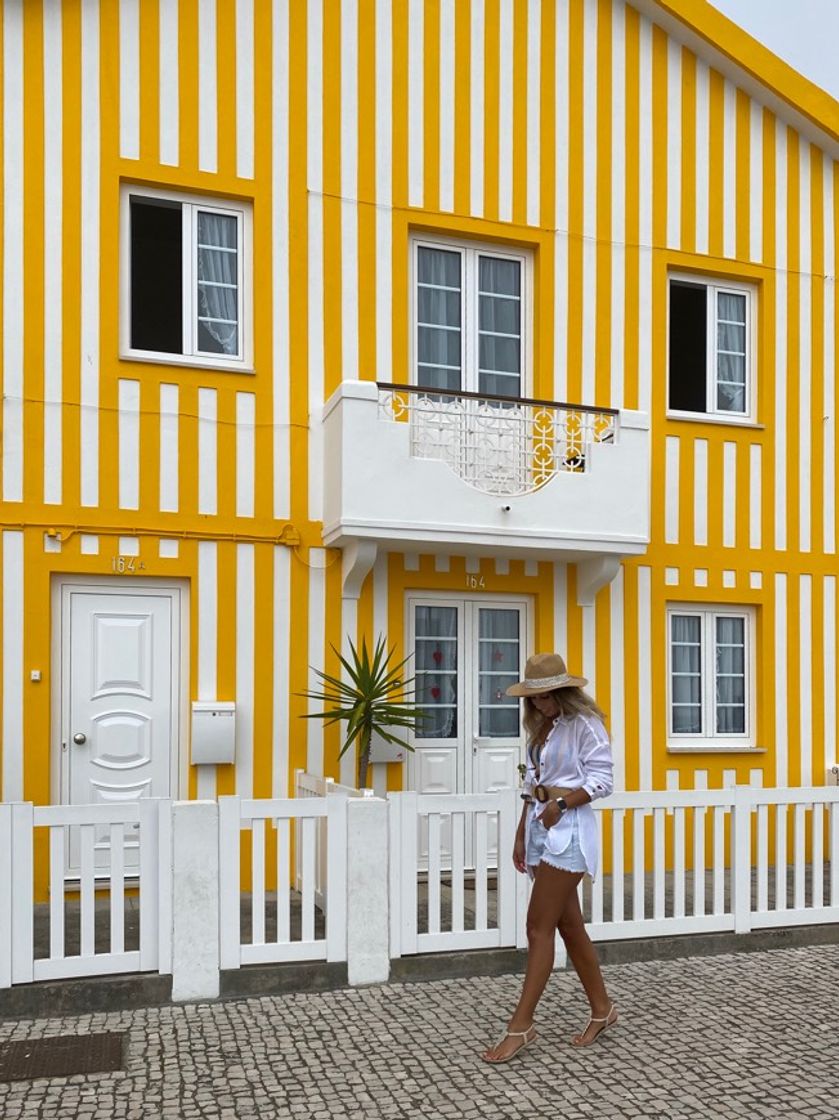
point(156, 276)
point(688, 347)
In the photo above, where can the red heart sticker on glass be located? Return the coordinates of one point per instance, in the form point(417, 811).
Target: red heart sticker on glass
point(435, 692)
point(498, 655)
point(437, 655)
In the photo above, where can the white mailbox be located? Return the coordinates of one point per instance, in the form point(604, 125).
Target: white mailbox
point(833, 774)
point(383, 751)
point(213, 732)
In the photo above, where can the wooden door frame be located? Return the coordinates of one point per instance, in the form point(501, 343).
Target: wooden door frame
point(59, 695)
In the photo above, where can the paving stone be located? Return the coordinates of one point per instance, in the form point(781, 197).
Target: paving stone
point(716, 1038)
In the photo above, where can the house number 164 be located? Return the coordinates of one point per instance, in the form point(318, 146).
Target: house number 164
point(475, 583)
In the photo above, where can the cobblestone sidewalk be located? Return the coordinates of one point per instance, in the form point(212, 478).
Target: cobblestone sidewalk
point(748, 1035)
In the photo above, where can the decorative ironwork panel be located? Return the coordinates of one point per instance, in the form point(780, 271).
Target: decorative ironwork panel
point(499, 446)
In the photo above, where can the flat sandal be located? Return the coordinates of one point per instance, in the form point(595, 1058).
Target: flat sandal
point(602, 1030)
point(512, 1034)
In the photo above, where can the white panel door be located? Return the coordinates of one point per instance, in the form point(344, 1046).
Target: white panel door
point(121, 687)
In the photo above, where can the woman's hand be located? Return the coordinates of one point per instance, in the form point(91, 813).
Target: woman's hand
point(519, 861)
point(551, 814)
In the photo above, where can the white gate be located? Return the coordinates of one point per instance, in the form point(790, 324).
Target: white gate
point(74, 943)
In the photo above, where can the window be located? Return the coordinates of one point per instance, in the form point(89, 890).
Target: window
point(710, 665)
point(186, 292)
point(470, 319)
point(711, 348)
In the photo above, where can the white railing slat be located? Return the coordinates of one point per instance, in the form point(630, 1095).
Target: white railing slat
point(781, 857)
point(434, 841)
point(817, 866)
point(698, 861)
point(833, 850)
point(638, 859)
point(283, 832)
point(617, 864)
point(481, 868)
point(798, 856)
point(258, 900)
point(507, 896)
point(597, 885)
point(116, 895)
point(719, 860)
point(763, 857)
point(679, 862)
point(87, 898)
point(56, 888)
point(308, 840)
point(658, 862)
point(458, 830)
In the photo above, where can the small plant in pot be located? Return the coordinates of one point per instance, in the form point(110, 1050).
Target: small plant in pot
point(373, 700)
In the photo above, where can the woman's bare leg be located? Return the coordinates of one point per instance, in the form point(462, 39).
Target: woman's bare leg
point(552, 889)
point(584, 959)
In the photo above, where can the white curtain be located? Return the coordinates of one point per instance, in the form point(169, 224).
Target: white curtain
point(731, 352)
point(436, 663)
point(218, 273)
point(686, 674)
point(498, 668)
point(731, 676)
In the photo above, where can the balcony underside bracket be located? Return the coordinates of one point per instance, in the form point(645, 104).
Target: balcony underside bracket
point(592, 575)
point(359, 558)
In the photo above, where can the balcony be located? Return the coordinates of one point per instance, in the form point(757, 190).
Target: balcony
point(411, 469)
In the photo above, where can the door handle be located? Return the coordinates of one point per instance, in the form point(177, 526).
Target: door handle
point(79, 738)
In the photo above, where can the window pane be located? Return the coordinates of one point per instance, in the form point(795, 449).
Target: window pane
point(436, 688)
point(437, 723)
point(731, 675)
point(439, 267)
point(500, 276)
point(687, 720)
point(499, 656)
point(731, 338)
point(498, 353)
point(500, 385)
point(435, 662)
point(501, 315)
point(217, 287)
point(498, 668)
point(435, 654)
point(686, 690)
point(156, 275)
point(433, 377)
point(731, 307)
point(493, 688)
point(435, 305)
point(688, 347)
point(497, 723)
point(731, 398)
point(436, 347)
point(686, 674)
point(731, 721)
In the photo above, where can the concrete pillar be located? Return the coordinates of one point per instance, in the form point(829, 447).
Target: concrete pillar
point(368, 917)
point(195, 900)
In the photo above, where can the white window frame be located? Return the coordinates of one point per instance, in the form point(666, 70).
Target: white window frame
point(714, 286)
point(191, 356)
point(469, 252)
point(711, 739)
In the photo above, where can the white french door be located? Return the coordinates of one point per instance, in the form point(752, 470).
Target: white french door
point(467, 651)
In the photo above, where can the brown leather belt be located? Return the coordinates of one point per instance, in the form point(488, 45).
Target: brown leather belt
point(549, 793)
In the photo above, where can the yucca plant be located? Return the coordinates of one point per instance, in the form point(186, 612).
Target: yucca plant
point(373, 699)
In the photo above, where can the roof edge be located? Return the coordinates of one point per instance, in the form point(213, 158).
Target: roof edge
point(751, 56)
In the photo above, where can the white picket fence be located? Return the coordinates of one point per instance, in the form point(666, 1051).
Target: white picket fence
point(86, 935)
point(412, 874)
point(312, 785)
point(320, 840)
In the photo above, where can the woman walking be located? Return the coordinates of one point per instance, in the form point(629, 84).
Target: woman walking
point(569, 764)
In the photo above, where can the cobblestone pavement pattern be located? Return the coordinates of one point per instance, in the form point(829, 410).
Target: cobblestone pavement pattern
point(748, 1035)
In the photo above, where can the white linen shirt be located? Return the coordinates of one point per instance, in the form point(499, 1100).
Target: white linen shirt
point(577, 754)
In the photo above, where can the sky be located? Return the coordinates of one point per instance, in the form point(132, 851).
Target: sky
point(804, 33)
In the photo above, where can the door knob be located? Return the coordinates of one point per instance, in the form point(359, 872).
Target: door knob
point(79, 738)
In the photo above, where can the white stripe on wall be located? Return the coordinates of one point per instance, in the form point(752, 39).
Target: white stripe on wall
point(805, 352)
point(729, 495)
point(560, 608)
point(476, 107)
point(90, 257)
point(245, 658)
point(207, 624)
point(618, 203)
point(384, 220)
point(645, 705)
point(561, 241)
point(280, 259)
point(589, 647)
point(244, 89)
point(674, 143)
point(380, 596)
point(703, 153)
point(829, 378)
point(129, 79)
point(780, 334)
point(755, 181)
point(169, 448)
point(805, 676)
point(347, 767)
point(169, 83)
point(588, 294)
point(729, 209)
point(349, 189)
point(755, 495)
point(779, 661)
point(12, 720)
point(829, 756)
point(671, 490)
point(645, 222)
point(281, 631)
point(617, 726)
point(245, 450)
point(505, 112)
point(316, 652)
point(416, 88)
point(700, 491)
point(13, 252)
point(207, 451)
point(446, 104)
point(128, 395)
point(316, 355)
point(534, 88)
point(207, 87)
point(53, 233)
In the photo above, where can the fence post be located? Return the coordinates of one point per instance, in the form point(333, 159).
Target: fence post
point(368, 920)
point(6, 897)
point(195, 900)
point(230, 841)
point(741, 859)
point(23, 946)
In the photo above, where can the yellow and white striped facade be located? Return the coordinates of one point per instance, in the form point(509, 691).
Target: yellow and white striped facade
point(616, 141)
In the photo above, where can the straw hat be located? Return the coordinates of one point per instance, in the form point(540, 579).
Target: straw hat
point(543, 673)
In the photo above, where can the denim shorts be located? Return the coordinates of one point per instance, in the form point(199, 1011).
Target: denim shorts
point(570, 860)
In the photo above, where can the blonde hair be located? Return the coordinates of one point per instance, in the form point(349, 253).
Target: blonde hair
point(570, 701)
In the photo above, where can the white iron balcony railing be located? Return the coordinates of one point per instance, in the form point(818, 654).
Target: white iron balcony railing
point(499, 445)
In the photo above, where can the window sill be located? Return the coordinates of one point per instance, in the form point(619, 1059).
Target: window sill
point(715, 418)
point(710, 748)
point(151, 357)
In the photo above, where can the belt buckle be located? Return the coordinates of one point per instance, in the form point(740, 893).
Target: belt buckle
point(541, 794)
